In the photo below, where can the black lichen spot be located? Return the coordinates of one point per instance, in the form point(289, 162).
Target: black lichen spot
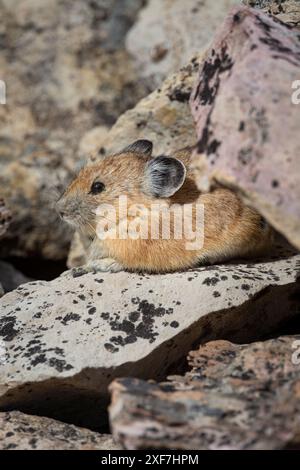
point(177, 94)
point(213, 68)
point(216, 294)
point(134, 316)
point(59, 364)
point(174, 324)
point(7, 328)
point(104, 315)
point(92, 310)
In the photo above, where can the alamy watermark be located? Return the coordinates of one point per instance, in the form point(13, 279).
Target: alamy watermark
point(296, 95)
point(159, 221)
point(2, 92)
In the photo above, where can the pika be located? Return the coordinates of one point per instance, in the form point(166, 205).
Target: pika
point(230, 228)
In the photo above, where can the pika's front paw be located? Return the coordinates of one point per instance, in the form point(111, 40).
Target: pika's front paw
point(98, 266)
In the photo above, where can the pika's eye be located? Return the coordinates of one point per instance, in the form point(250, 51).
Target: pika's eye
point(97, 187)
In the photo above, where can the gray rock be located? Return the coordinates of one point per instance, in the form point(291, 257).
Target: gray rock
point(5, 217)
point(19, 431)
point(67, 339)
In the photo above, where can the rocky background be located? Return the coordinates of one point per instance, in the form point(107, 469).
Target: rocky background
point(213, 354)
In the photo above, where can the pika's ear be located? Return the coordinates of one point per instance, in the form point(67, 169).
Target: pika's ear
point(140, 146)
point(163, 176)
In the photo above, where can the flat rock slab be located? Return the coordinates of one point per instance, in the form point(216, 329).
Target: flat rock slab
point(247, 118)
point(64, 341)
point(235, 397)
point(23, 432)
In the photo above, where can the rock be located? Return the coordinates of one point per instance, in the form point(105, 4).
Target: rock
point(287, 11)
point(67, 339)
point(247, 125)
point(23, 432)
point(167, 34)
point(67, 72)
point(5, 218)
point(235, 397)
point(163, 117)
point(10, 277)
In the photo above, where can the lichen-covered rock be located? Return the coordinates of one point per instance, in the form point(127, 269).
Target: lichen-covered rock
point(164, 117)
point(19, 431)
point(287, 11)
point(167, 34)
point(247, 124)
point(67, 339)
point(235, 397)
point(67, 71)
point(5, 217)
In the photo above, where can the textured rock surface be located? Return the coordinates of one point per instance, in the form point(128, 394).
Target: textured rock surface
point(67, 72)
point(169, 33)
point(235, 397)
point(247, 125)
point(163, 117)
point(23, 432)
point(67, 339)
point(5, 218)
point(287, 11)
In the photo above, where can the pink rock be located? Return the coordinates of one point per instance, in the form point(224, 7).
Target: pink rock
point(247, 123)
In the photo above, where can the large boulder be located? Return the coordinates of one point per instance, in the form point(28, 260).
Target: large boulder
point(23, 432)
point(167, 34)
point(66, 340)
point(5, 219)
point(67, 72)
point(235, 397)
point(247, 123)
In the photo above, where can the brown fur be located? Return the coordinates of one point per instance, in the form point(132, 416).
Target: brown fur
point(231, 229)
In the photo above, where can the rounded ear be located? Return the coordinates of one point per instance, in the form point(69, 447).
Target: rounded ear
point(163, 176)
point(140, 146)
